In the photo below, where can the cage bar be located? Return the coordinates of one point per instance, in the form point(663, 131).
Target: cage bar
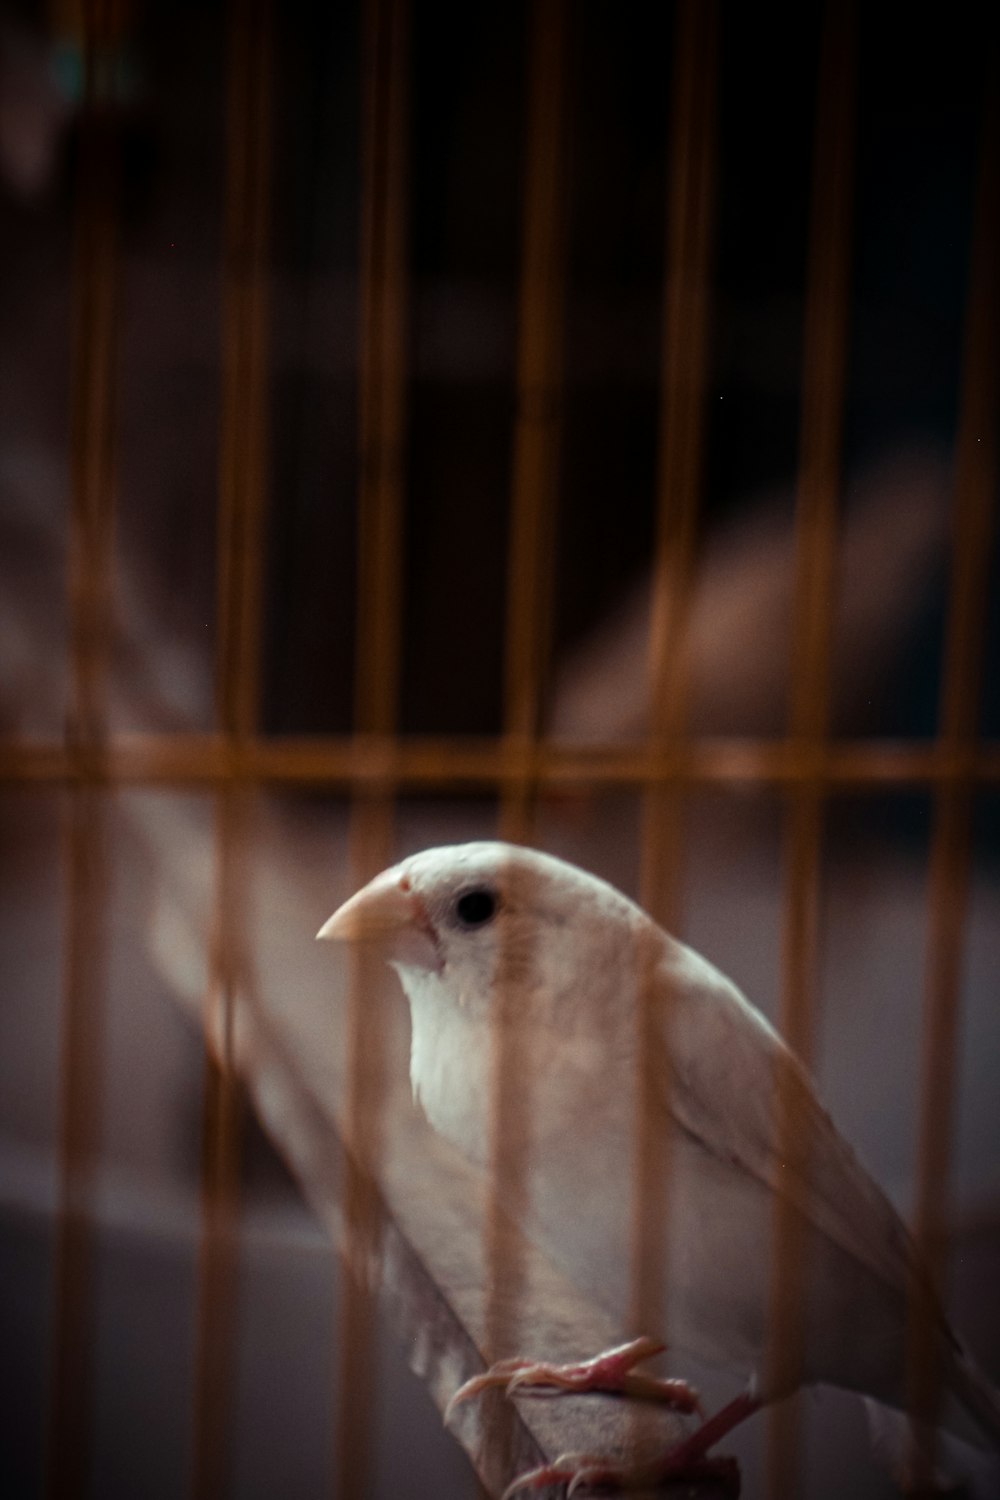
point(817, 516)
point(486, 765)
point(974, 521)
point(243, 460)
point(536, 450)
point(383, 372)
point(685, 368)
point(94, 370)
point(539, 396)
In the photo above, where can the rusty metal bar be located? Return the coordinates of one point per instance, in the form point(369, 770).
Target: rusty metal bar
point(685, 358)
point(93, 478)
point(242, 487)
point(456, 764)
point(975, 485)
point(817, 518)
point(382, 435)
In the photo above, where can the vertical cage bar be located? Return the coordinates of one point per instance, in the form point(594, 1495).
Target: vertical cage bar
point(93, 479)
point(538, 420)
point(536, 452)
point(974, 519)
point(382, 438)
point(824, 379)
point(243, 458)
point(243, 445)
point(218, 1264)
point(684, 364)
point(383, 361)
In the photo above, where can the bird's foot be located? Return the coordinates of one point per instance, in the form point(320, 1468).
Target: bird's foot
point(591, 1471)
point(687, 1461)
point(612, 1372)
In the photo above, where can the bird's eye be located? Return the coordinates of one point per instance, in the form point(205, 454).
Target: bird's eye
point(477, 907)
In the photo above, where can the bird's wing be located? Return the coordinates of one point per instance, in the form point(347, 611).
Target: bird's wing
point(734, 1085)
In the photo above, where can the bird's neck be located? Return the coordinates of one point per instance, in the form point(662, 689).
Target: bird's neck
point(450, 1055)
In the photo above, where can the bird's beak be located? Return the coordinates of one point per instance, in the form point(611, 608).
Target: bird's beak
point(387, 913)
point(377, 911)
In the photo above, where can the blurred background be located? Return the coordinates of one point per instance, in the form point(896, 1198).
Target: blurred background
point(269, 281)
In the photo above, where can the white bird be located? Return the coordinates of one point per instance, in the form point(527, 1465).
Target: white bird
point(573, 961)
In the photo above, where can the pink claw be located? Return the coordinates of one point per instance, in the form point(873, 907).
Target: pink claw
point(725, 1471)
point(686, 1460)
point(605, 1372)
point(562, 1469)
point(499, 1374)
point(612, 1372)
point(580, 1471)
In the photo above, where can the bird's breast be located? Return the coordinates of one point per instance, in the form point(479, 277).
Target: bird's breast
point(450, 1069)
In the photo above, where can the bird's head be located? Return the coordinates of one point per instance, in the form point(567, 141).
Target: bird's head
point(485, 917)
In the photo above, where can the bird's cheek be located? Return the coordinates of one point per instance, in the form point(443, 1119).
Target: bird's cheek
point(414, 947)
